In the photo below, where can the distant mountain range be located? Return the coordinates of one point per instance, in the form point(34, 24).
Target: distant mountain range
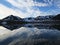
point(13, 22)
point(44, 17)
point(16, 19)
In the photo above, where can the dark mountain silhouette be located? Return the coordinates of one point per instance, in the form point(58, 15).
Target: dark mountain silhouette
point(12, 20)
point(57, 17)
point(11, 17)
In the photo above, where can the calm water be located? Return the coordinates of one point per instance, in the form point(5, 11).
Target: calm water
point(29, 34)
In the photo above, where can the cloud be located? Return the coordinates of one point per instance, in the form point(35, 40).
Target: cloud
point(57, 3)
point(26, 3)
point(5, 11)
point(50, 2)
point(40, 4)
point(24, 8)
point(19, 8)
point(53, 2)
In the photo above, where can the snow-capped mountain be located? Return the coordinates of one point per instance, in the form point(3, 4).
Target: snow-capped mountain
point(44, 17)
point(29, 19)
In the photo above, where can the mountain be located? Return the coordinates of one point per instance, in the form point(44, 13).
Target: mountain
point(44, 17)
point(11, 17)
point(12, 20)
point(57, 17)
point(39, 18)
point(29, 19)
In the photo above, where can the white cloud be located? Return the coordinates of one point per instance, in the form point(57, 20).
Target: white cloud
point(53, 2)
point(49, 1)
point(41, 4)
point(5, 11)
point(26, 5)
point(57, 3)
point(23, 8)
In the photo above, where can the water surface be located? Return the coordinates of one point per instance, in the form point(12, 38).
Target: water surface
point(29, 34)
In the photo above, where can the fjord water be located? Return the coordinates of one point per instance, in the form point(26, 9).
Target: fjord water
point(29, 34)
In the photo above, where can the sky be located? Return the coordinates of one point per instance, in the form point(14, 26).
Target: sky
point(29, 8)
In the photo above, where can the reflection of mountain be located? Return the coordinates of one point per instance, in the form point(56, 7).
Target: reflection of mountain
point(26, 36)
point(56, 26)
point(39, 26)
point(42, 26)
point(13, 26)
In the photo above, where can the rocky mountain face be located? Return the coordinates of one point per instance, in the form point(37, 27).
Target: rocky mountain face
point(51, 17)
point(57, 17)
point(11, 17)
point(44, 17)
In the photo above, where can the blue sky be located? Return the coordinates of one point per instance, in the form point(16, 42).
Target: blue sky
point(29, 8)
